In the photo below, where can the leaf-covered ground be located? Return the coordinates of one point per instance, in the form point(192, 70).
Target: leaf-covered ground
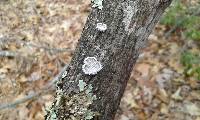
point(38, 37)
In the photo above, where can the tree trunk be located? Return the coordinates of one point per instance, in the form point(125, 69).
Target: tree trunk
point(94, 82)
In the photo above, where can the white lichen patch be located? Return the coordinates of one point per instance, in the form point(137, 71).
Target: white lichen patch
point(53, 110)
point(64, 74)
point(81, 85)
point(98, 4)
point(89, 115)
point(91, 66)
point(53, 116)
point(59, 96)
point(129, 11)
point(52, 113)
point(101, 27)
point(88, 92)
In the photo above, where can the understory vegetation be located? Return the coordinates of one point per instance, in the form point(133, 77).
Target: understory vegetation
point(183, 18)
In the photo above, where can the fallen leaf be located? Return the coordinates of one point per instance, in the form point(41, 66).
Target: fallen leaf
point(177, 95)
point(191, 109)
point(143, 69)
point(162, 95)
point(164, 109)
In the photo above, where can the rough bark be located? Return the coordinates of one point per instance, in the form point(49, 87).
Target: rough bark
point(129, 23)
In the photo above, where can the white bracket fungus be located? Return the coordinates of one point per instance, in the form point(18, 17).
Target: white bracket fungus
point(101, 27)
point(91, 66)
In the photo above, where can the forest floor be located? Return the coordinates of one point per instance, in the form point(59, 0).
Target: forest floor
point(38, 37)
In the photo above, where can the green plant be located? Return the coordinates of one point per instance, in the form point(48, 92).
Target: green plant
point(185, 17)
point(191, 62)
point(174, 13)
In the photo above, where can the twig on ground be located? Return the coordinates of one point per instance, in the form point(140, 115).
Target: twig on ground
point(6, 40)
point(27, 98)
point(59, 75)
point(56, 50)
point(6, 53)
point(48, 88)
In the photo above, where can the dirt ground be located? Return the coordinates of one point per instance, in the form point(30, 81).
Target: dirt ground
point(38, 37)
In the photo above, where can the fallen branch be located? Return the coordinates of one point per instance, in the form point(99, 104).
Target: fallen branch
point(56, 50)
point(58, 76)
point(25, 99)
point(6, 53)
point(47, 89)
point(6, 40)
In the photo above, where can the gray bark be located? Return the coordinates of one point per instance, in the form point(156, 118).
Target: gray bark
point(129, 23)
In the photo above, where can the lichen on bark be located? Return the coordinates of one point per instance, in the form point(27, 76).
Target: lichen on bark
point(77, 104)
point(117, 49)
point(98, 4)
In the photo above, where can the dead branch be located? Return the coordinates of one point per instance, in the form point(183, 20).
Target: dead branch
point(50, 87)
point(6, 53)
point(5, 40)
point(25, 99)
